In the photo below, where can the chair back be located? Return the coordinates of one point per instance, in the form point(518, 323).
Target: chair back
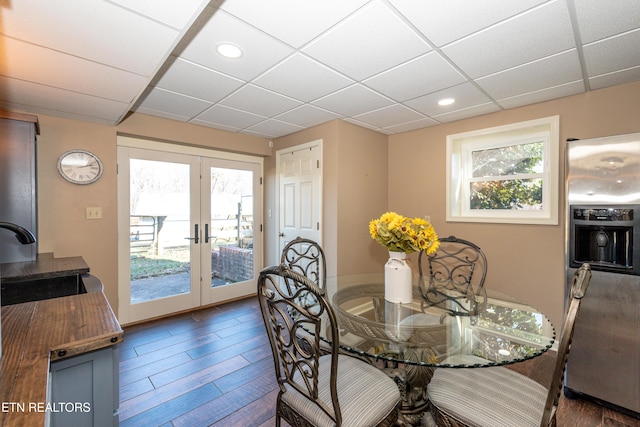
point(457, 265)
point(294, 310)
point(305, 256)
point(579, 284)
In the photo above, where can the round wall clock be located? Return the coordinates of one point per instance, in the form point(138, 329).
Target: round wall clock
point(80, 167)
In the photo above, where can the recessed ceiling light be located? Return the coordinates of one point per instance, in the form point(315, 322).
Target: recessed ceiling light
point(229, 50)
point(446, 101)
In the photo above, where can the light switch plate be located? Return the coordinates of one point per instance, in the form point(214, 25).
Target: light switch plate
point(94, 213)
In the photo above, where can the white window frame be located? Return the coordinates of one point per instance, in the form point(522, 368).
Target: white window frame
point(459, 174)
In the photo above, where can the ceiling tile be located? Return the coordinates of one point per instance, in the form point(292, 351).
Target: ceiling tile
point(418, 124)
point(551, 71)
point(292, 77)
point(163, 100)
point(365, 125)
point(465, 113)
point(466, 95)
point(616, 78)
point(613, 54)
point(420, 76)
point(219, 114)
point(170, 12)
point(214, 125)
point(307, 116)
point(71, 72)
point(354, 100)
point(370, 41)
point(272, 128)
point(515, 41)
point(259, 51)
point(286, 19)
point(443, 22)
point(97, 30)
point(188, 79)
point(599, 19)
point(28, 96)
point(164, 114)
point(560, 91)
point(389, 116)
point(260, 101)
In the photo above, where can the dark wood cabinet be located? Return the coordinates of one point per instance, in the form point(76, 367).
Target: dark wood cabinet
point(18, 183)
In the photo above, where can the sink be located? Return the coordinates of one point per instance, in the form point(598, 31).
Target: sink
point(18, 292)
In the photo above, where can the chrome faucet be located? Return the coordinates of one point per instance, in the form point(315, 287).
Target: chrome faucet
point(23, 235)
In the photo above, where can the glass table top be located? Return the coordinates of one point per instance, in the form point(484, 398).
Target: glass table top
point(444, 329)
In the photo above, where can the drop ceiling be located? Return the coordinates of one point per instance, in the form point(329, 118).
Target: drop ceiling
point(380, 64)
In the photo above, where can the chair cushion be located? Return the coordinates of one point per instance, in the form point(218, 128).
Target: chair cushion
point(366, 394)
point(491, 397)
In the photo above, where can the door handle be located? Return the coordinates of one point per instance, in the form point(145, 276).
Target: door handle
point(195, 239)
point(281, 234)
point(206, 233)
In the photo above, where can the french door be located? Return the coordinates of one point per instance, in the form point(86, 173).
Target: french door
point(189, 230)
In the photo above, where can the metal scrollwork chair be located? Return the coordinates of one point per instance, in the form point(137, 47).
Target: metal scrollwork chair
point(454, 275)
point(306, 257)
point(318, 389)
point(500, 397)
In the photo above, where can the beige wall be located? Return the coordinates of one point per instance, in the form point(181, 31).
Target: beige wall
point(526, 261)
point(362, 196)
point(63, 227)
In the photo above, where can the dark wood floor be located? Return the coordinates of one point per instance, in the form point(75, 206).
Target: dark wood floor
point(213, 367)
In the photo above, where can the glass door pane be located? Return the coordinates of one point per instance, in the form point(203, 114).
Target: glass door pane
point(231, 226)
point(159, 224)
point(230, 231)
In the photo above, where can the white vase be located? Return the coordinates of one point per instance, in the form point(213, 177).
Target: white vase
point(398, 286)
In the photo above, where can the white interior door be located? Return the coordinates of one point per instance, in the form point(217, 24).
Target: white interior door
point(300, 193)
point(189, 231)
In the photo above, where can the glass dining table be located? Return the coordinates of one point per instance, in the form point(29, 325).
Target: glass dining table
point(438, 329)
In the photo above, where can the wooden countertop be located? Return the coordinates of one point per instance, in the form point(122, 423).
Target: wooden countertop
point(39, 332)
point(44, 267)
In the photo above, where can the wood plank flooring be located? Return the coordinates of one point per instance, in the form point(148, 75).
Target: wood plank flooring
point(213, 367)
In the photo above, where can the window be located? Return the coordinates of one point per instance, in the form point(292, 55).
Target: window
point(505, 174)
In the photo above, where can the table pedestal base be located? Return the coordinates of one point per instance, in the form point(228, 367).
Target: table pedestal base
point(412, 381)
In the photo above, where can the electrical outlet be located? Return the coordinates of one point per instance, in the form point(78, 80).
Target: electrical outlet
point(94, 213)
point(427, 218)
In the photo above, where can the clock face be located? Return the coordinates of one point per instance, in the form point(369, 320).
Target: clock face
point(80, 167)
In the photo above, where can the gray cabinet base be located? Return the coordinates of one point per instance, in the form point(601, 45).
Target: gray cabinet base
point(84, 390)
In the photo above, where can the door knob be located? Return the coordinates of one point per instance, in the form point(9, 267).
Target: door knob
point(281, 234)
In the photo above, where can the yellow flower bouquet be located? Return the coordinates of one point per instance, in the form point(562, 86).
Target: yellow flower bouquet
point(402, 234)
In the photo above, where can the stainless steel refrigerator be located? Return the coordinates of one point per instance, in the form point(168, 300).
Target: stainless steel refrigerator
point(603, 229)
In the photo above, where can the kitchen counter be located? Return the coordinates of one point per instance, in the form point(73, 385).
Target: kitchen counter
point(46, 266)
point(46, 277)
point(37, 333)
